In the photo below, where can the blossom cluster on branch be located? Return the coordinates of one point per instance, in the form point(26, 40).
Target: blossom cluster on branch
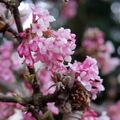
point(53, 49)
point(59, 85)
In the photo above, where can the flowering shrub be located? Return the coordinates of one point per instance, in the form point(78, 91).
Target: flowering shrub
point(58, 85)
point(53, 48)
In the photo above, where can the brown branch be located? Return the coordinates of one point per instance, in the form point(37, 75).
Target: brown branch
point(15, 99)
point(16, 15)
point(35, 84)
point(4, 98)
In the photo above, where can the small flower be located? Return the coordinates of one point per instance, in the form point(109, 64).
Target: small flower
point(52, 108)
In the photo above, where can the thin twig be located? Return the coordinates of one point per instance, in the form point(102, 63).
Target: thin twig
point(16, 15)
point(4, 98)
point(35, 84)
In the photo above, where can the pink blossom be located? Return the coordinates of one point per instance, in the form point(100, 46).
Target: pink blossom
point(43, 18)
point(53, 49)
point(24, 51)
point(87, 74)
point(52, 108)
point(95, 46)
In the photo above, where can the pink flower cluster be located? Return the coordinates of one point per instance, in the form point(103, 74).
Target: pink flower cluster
point(95, 46)
point(7, 63)
point(113, 111)
point(40, 43)
point(87, 74)
point(90, 114)
point(54, 48)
